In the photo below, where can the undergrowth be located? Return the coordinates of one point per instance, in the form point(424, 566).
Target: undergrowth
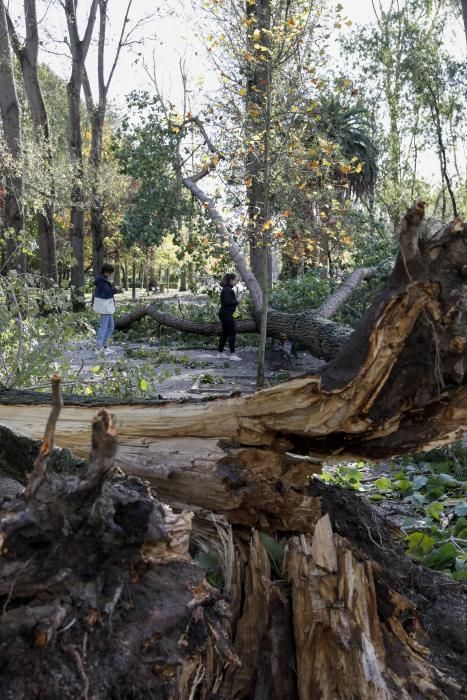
point(432, 486)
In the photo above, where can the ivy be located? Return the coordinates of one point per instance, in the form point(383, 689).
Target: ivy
point(433, 488)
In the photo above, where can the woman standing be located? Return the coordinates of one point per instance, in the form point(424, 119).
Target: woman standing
point(104, 305)
point(228, 305)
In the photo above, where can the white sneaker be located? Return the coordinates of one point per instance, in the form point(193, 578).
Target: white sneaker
point(220, 355)
point(108, 351)
point(235, 357)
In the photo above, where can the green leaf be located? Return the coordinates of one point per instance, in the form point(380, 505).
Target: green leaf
point(207, 561)
point(443, 557)
point(383, 484)
point(460, 576)
point(403, 485)
point(376, 497)
point(435, 509)
point(448, 479)
point(419, 482)
point(143, 384)
point(420, 543)
point(461, 509)
point(460, 526)
point(274, 549)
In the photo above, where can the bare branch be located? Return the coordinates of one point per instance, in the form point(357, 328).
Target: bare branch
point(100, 51)
point(89, 27)
point(121, 42)
point(333, 303)
point(18, 48)
point(234, 251)
point(88, 93)
point(40, 463)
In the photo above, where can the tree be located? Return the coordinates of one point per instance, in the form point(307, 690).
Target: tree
point(27, 56)
point(464, 15)
point(97, 112)
point(148, 154)
point(13, 223)
point(79, 49)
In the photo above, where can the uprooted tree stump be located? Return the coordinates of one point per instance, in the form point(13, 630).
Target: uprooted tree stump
point(100, 599)
point(338, 613)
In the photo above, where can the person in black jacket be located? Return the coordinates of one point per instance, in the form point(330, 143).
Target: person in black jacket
point(228, 306)
point(104, 305)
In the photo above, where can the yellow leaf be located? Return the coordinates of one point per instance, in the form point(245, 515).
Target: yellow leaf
point(242, 92)
point(325, 162)
point(294, 108)
point(267, 225)
point(287, 213)
point(256, 35)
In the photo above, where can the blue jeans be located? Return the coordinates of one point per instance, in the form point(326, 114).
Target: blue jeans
point(106, 328)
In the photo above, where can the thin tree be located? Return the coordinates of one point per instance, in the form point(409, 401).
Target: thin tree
point(27, 55)
point(97, 112)
point(79, 50)
point(11, 120)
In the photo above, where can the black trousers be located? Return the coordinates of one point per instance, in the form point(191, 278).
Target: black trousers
point(229, 330)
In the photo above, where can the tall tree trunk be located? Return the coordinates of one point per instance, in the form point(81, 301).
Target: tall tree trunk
point(118, 269)
point(183, 279)
point(97, 206)
point(79, 49)
point(97, 111)
point(10, 113)
point(257, 114)
point(464, 14)
point(125, 273)
point(28, 59)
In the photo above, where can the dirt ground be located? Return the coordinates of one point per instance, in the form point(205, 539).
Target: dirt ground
point(186, 371)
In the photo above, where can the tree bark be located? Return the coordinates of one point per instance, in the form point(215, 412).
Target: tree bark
point(10, 113)
point(312, 330)
point(257, 119)
point(79, 49)
point(97, 112)
point(464, 15)
point(27, 56)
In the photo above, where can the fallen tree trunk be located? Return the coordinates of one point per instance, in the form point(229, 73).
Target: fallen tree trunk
point(313, 329)
point(322, 337)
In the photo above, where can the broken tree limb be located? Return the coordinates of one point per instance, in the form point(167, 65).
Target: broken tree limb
point(346, 607)
point(40, 463)
point(124, 322)
point(322, 337)
point(333, 303)
point(312, 329)
point(207, 202)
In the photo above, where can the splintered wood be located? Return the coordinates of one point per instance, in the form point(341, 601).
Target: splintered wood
point(343, 629)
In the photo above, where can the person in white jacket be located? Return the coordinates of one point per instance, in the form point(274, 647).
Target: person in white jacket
point(104, 305)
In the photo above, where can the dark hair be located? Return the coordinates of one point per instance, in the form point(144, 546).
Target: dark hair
point(227, 278)
point(107, 267)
